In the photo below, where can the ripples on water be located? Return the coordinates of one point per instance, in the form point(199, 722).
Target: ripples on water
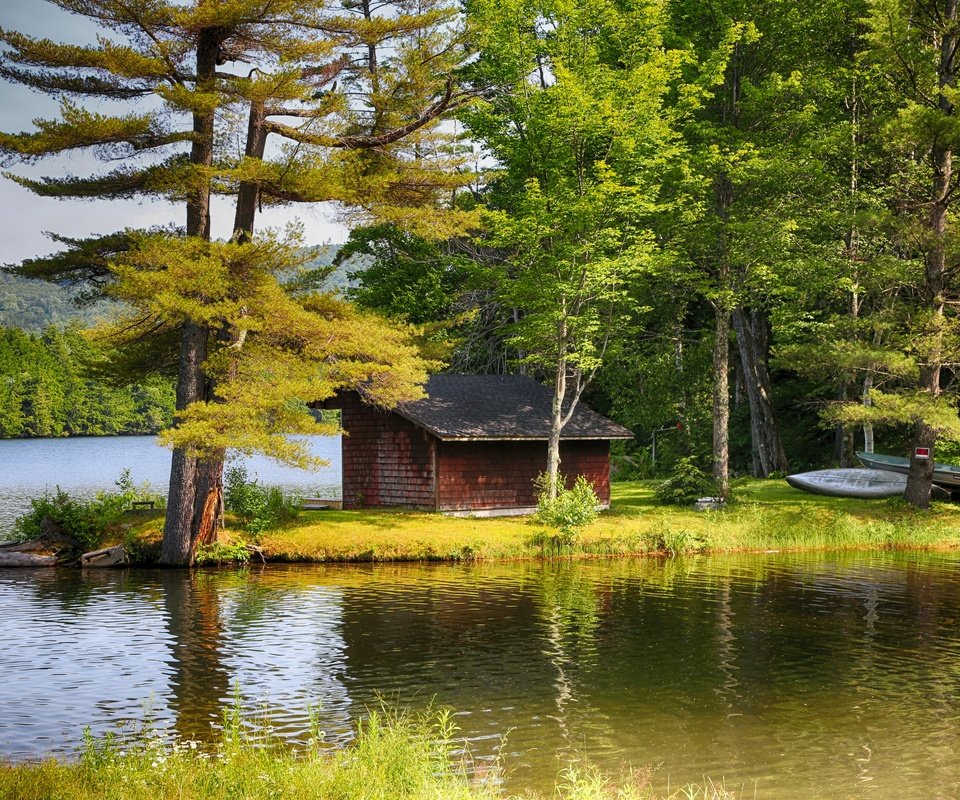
point(83, 466)
point(794, 677)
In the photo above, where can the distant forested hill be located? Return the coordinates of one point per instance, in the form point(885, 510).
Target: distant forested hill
point(46, 385)
point(33, 305)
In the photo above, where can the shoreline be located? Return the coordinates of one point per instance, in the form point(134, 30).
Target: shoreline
point(767, 517)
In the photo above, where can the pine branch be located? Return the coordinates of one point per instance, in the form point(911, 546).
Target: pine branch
point(80, 85)
point(448, 102)
point(163, 179)
point(80, 129)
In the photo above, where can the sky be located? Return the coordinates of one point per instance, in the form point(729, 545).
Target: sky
point(24, 218)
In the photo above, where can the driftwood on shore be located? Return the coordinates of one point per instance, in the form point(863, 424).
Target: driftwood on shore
point(21, 554)
point(107, 557)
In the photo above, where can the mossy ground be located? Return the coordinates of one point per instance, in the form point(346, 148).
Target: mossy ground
point(766, 515)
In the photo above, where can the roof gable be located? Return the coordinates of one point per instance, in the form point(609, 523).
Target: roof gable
point(499, 407)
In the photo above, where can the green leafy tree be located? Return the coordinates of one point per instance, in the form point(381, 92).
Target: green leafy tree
point(578, 128)
point(914, 46)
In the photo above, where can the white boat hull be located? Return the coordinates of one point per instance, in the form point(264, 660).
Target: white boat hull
point(854, 482)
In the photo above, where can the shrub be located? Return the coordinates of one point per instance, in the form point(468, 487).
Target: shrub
point(86, 521)
point(572, 510)
point(685, 485)
point(258, 508)
point(220, 553)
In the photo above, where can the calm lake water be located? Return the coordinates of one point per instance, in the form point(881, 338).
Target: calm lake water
point(85, 465)
point(786, 676)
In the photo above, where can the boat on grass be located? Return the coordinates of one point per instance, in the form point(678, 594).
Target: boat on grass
point(943, 474)
point(850, 482)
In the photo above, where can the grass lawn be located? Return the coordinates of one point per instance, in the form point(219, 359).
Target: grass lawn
point(767, 515)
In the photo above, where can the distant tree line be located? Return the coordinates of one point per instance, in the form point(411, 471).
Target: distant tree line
point(49, 386)
point(34, 305)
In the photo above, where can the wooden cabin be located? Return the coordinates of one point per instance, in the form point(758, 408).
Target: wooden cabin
point(473, 446)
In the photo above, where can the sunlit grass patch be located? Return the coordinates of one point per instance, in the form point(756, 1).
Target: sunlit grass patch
point(765, 515)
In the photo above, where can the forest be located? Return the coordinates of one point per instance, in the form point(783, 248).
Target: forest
point(49, 387)
point(728, 225)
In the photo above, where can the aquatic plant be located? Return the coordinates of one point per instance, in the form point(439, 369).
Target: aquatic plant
point(394, 756)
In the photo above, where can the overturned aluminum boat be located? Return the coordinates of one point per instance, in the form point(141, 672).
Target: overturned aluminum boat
point(943, 474)
point(853, 482)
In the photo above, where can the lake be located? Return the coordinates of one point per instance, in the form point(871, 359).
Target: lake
point(786, 676)
point(85, 465)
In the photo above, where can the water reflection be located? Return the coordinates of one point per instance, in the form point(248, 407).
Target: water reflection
point(805, 676)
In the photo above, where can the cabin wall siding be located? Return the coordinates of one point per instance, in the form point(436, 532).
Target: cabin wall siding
point(387, 461)
point(478, 476)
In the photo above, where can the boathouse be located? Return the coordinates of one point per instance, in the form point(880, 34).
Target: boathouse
point(473, 446)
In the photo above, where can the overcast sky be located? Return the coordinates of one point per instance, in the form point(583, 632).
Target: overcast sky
point(24, 217)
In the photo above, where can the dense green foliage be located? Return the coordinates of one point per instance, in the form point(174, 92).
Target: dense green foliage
point(769, 185)
point(49, 387)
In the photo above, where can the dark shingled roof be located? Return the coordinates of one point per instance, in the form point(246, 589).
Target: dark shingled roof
point(459, 407)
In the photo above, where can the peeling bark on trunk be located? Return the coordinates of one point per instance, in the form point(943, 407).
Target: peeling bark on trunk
point(769, 455)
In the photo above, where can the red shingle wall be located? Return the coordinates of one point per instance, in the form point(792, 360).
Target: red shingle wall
point(487, 475)
point(387, 461)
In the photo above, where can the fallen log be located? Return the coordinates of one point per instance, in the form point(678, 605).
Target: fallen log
point(18, 559)
point(23, 547)
point(107, 557)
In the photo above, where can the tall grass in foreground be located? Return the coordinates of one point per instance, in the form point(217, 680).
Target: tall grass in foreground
point(394, 757)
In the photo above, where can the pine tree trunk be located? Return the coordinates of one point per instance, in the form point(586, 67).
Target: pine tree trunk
point(177, 538)
point(208, 498)
point(769, 455)
point(178, 529)
point(721, 402)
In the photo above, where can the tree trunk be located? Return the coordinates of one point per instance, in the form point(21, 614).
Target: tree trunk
point(178, 525)
point(556, 425)
point(769, 455)
point(208, 498)
point(867, 426)
point(178, 531)
point(721, 402)
point(920, 479)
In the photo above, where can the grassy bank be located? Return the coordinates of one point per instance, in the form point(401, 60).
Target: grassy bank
point(394, 758)
point(767, 515)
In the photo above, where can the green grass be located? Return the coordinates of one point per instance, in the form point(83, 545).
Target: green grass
point(392, 758)
point(767, 515)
